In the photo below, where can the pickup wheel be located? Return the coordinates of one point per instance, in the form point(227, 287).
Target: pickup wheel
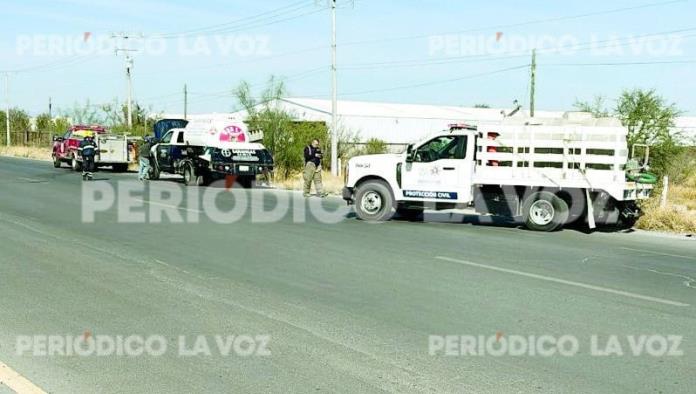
point(374, 202)
point(191, 178)
point(75, 164)
point(56, 161)
point(154, 172)
point(544, 211)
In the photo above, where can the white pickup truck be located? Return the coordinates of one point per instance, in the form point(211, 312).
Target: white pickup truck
point(547, 172)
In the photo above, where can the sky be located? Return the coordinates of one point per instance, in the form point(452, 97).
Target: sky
point(407, 51)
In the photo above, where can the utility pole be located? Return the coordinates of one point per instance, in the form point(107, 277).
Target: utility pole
point(129, 68)
point(334, 131)
point(129, 74)
point(532, 89)
point(50, 108)
point(7, 106)
point(185, 102)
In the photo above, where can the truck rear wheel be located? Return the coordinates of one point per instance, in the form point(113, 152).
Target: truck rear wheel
point(120, 167)
point(247, 182)
point(190, 178)
point(374, 202)
point(75, 164)
point(544, 211)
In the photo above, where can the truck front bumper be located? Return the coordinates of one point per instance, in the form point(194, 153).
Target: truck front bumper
point(241, 169)
point(347, 193)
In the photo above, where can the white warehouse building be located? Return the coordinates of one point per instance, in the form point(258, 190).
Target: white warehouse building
point(400, 124)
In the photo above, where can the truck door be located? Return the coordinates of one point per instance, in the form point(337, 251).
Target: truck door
point(441, 171)
point(63, 148)
point(164, 154)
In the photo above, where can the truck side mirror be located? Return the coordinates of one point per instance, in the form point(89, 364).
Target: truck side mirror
point(57, 138)
point(410, 154)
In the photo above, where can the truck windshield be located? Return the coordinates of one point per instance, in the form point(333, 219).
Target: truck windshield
point(167, 138)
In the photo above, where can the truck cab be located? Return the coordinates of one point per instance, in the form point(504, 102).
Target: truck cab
point(436, 171)
point(439, 169)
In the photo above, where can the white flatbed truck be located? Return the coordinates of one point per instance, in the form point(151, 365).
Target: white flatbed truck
point(546, 172)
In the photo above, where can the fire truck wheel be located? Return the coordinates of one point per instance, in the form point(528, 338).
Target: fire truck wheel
point(374, 202)
point(75, 164)
point(56, 161)
point(544, 211)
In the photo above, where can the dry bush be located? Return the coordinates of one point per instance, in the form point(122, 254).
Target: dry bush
point(680, 213)
point(332, 184)
point(30, 152)
point(667, 219)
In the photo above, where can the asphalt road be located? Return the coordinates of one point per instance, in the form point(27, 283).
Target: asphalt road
point(346, 307)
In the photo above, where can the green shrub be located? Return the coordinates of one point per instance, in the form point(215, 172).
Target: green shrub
point(375, 146)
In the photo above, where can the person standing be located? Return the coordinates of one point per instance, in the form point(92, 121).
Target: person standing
point(87, 149)
point(312, 169)
point(144, 159)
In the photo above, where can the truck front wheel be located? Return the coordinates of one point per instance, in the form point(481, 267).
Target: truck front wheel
point(544, 211)
point(374, 202)
point(56, 161)
point(154, 172)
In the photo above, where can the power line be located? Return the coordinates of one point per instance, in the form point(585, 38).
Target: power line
point(438, 82)
point(519, 24)
point(246, 19)
point(228, 93)
point(588, 45)
point(659, 62)
point(54, 65)
point(248, 25)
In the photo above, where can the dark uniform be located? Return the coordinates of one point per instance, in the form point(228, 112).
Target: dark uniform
point(312, 170)
point(88, 149)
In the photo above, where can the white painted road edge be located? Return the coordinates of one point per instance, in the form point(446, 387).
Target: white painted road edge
point(565, 282)
point(17, 382)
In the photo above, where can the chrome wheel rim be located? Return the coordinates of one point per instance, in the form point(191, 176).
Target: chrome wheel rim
point(542, 212)
point(371, 202)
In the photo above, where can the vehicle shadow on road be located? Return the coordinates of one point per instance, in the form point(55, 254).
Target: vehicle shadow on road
point(460, 218)
point(577, 226)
